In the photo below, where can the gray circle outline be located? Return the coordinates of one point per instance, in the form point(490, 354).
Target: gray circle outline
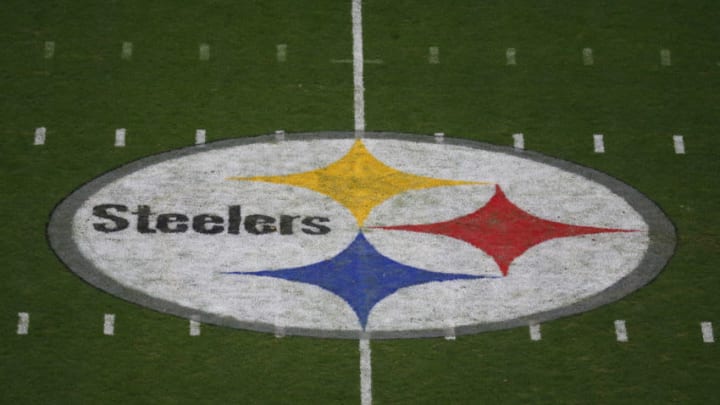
point(661, 247)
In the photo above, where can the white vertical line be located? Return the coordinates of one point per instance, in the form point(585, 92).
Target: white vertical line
point(518, 141)
point(120, 137)
point(679, 144)
point(23, 323)
point(49, 49)
point(280, 135)
point(358, 62)
point(439, 137)
point(127, 50)
point(707, 332)
point(621, 331)
point(204, 52)
point(194, 328)
point(199, 136)
point(665, 59)
point(535, 333)
point(40, 136)
point(365, 372)
point(434, 55)
point(281, 52)
point(599, 143)
point(588, 59)
point(450, 333)
point(109, 325)
point(510, 56)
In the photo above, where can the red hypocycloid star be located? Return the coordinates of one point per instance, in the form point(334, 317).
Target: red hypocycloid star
point(502, 230)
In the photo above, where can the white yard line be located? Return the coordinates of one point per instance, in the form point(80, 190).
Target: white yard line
point(23, 324)
point(439, 137)
point(450, 333)
point(518, 141)
point(599, 143)
point(588, 59)
point(365, 372)
point(535, 333)
point(510, 56)
point(280, 135)
point(40, 136)
point(679, 144)
point(204, 52)
point(707, 332)
point(665, 59)
point(621, 331)
point(109, 325)
point(127, 51)
point(194, 328)
point(367, 61)
point(49, 49)
point(281, 52)
point(120, 137)
point(433, 55)
point(358, 81)
point(200, 136)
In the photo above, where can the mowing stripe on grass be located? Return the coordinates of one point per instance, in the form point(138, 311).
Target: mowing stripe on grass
point(194, 328)
point(535, 333)
point(199, 136)
point(365, 372)
point(358, 57)
point(621, 331)
point(280, 135)
point(109, 325)
point(204, 52)
point(599, 143)
point(510, 56)
point(707, 332)
point(281, 52)
point(679, 144)
point(518, 141)
point(439, 137)
point(39, 136)
point(665, 59)
point(120, 137)
point(587, 55)
point(23, 324)
point(49, 49)
point(450, 333)
point(127, 50)
point(434, 55)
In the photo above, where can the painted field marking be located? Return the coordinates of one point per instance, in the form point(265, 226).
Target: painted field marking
point(518, 141)
point(200, 137)
point(439, 137)
point(281, 52)
point(280, 135)
point(510, 56)
point(450, 333)
point(367, 61)
point(40, 136)
point(127, 50)
point(433, 55)
point(120, 137)
point(587, 55)
point(365, 372)
point(679, 144)
point(621, 331)
point(109, 325)
point(194, 328)
point(599, 143)
point(535, 333)
point(707, 332)
point(358, 57)
point(49, 49)
point(279, 331)
point(204, 52)
point(23, 325)
point(665, 59)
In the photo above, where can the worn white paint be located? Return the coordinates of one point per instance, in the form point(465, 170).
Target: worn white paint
point(439, 137)
point(510, 56)
point(280, 135)
point(200, 136)
point(49, 49)
point(194, 328)
point(365, 372)
point(679, 144)
point(204, 52)
point(40, 136)
point(358, 66)
point(599, 143)
point(109, 325)
point(434, 55)
point(23, 325)
point(707, 332)
point(535, 334)
point(587, 56)
point(127, 51)
point(665, 59)
point(279, 331)
point(621, 333)
point(450, 333)
point(281, 53)
point(120, 137)
point(518, 141)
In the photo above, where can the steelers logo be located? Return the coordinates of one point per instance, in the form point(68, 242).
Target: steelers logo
point(385, 235)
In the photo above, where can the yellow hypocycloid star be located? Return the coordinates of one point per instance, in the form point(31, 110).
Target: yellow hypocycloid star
point(358, 180)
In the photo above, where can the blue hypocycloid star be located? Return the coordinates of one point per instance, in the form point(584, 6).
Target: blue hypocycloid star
point(361, 276)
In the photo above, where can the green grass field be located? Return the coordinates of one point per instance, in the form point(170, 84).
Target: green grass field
point(163, 93)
